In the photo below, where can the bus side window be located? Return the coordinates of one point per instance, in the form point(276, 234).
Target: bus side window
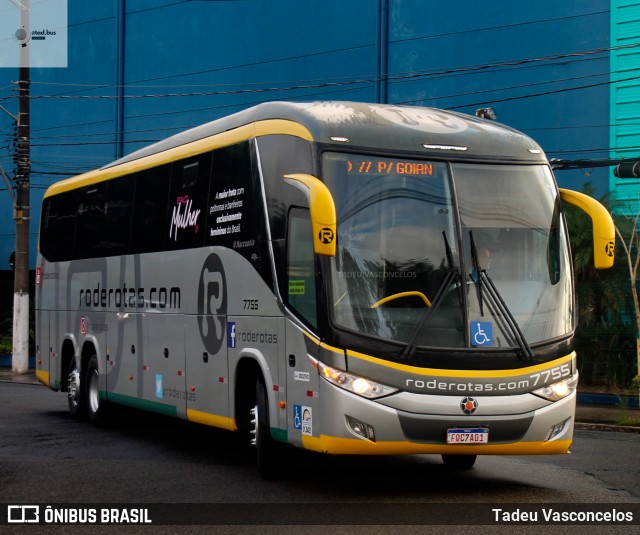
point(150, 209)
point(118, 204)
point(91, 221)
point(59, 227)
point(301, 277)
point(187, 213)
point(104, 224)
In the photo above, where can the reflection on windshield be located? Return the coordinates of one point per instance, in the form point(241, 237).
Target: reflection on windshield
point(513, 214)
point(392, 260)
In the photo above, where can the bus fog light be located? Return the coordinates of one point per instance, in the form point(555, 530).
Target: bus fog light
point(556, 430)
point(362, 429)
point(559, 390)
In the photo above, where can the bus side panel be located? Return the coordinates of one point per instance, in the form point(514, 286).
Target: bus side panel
point(57, 323)
point(146, 362)
point(92, 332)
point(163, 364)
point(43, 348)
point(207, 374)
point(261, 339)
point(302, 387)
point(125, 345)
point(51, 324)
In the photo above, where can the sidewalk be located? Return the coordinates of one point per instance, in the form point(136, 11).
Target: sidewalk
point(589, 414)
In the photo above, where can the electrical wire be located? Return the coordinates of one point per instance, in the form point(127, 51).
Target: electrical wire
point(366, 80)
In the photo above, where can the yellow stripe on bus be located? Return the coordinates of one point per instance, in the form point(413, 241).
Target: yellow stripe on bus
point(43, 377)
point(212, 420)
point(356, 446)
point(216, 141)
point(463, 373)
point(447, 373)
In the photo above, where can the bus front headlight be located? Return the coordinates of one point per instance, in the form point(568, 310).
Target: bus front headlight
point(354, 383)
point(559, 390)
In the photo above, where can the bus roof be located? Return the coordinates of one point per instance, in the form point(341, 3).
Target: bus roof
point(423, 132)
point(375, 126)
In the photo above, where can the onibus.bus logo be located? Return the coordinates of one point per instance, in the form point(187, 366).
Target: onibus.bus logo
point(23, 514)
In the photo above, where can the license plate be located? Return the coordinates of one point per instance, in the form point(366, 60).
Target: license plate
point(468, 436)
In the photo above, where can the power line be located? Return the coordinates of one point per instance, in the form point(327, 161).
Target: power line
point(373, 80)
point(488, 28)
point(178, 128)
point(545, 93)
point(366, 80)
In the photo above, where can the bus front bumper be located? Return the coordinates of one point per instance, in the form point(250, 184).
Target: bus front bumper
point(517, 425)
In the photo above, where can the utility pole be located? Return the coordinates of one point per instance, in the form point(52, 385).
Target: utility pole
point(22, 206)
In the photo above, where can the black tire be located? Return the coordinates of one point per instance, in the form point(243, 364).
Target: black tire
point(76, 391)
point(96, 407)
point(459, 462)
point(268, 452)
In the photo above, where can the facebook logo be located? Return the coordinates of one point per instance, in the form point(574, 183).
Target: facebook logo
point(231, 334)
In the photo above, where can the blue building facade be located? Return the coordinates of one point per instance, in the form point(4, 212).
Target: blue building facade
point(141, 70)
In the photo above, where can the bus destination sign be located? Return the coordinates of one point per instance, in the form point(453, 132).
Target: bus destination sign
point(389, 167)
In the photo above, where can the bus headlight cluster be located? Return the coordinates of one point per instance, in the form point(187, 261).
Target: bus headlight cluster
point(559, 390)
point(353, 383)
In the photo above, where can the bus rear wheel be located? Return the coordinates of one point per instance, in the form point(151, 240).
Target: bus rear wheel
point(75, 391)
point(459, 462)
point(96, 407)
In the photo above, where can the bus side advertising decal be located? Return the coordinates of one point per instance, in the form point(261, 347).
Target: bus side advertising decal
point(212, 304)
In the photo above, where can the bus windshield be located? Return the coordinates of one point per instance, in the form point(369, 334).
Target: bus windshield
point(410, 256)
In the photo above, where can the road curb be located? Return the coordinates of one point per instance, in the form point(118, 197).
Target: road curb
point(606, 427)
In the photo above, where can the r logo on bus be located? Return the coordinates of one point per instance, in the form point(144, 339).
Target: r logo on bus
point(610, 248)
point(212, 304)
point(326, 235)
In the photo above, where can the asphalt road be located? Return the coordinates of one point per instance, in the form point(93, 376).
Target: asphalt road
point(140, 458)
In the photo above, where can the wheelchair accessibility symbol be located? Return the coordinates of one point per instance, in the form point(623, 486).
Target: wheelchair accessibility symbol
point(303, 419)
point(481, 333)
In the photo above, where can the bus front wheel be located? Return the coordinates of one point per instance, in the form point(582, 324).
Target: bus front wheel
point(267, 451)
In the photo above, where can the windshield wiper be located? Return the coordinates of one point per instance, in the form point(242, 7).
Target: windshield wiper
point(453, 275)
point(477, 272)
point(484, 283)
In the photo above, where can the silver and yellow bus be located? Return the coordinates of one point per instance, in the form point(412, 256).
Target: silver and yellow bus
point(341, 277)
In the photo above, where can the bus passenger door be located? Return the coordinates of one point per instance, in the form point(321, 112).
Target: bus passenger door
point(301, 299)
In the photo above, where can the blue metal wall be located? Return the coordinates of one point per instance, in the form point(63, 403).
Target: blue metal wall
point(140, 70)
point(625, 99)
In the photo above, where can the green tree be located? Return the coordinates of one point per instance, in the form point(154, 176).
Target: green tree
point(626, 220)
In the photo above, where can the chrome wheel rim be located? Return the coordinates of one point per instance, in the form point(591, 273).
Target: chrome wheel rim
point(74, 386)
point(93, 392)
point(253, 428)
